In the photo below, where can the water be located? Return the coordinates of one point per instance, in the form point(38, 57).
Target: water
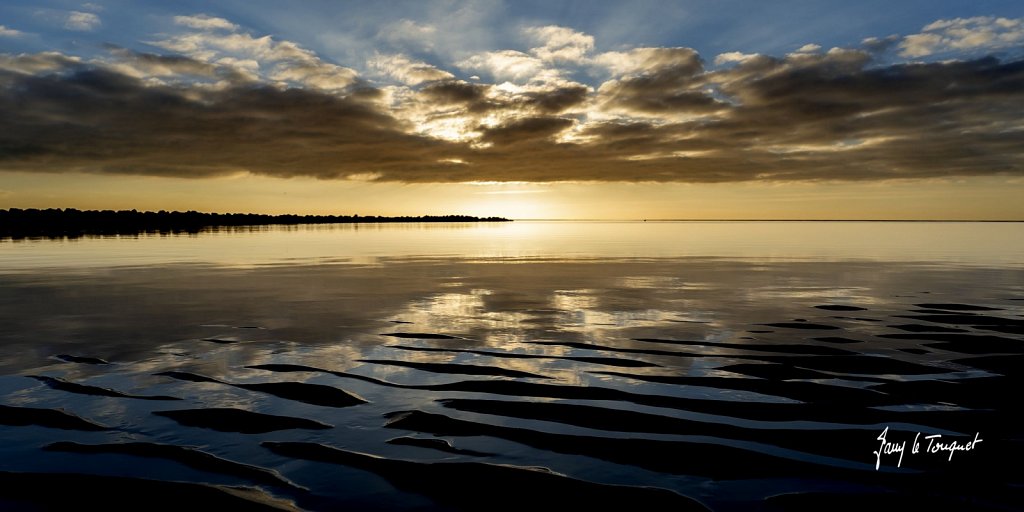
point(738, 364)
point(971, 243)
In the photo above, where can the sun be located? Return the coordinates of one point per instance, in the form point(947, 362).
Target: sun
point(509, 200)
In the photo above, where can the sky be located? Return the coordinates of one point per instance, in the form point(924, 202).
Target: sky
point(523, 109)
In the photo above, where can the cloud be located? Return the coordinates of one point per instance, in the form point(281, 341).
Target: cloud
point(10, 32)
point(93, 119)
point(505, 65)
point(554, 100)
point(83, 21)
point(456, 92)
point(284, 62)
point(315, 73)
point(660, 81)
point(730, 57)
point(809, 48)
point(456, 110)
point(525, 130)
point(32, 63)
point(225, 101)
point(879, 45)
point(649, 60)
point(205, 22)
point(406, 70)
point(560, 44)
point(150, 65)
point(408, 33)
point(964, 35)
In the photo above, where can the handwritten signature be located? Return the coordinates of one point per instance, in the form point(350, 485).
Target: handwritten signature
point(936, 444)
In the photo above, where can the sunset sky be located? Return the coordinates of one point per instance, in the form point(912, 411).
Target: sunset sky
point(526, 109)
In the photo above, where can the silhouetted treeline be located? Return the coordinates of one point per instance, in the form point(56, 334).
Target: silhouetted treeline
point(69, 222)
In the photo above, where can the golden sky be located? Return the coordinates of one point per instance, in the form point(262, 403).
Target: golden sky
point(965, 199)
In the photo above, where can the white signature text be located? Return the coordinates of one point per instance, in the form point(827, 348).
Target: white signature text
point(935, 444)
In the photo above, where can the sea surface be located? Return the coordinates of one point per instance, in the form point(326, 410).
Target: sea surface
point(497, 366)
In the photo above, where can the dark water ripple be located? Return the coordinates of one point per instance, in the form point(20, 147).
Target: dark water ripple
point(785, 409)
point(315, 394)
point(188, 456)
point(472, 485)
point(67, 491)
point(226, 419)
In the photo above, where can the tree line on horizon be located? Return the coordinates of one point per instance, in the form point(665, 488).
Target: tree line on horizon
point(71, 222)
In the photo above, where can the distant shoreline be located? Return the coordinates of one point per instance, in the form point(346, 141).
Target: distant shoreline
point(71, 223)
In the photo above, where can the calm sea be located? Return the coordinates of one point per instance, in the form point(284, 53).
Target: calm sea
point(732, 365)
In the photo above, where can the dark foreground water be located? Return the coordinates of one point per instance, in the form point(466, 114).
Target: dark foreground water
point(668, 366)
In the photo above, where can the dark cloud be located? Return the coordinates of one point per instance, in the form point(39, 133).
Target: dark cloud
point(36, 62)
point(526, 130)
point(458, 92)
point(666, 62)
point(879, 45)
point(96, 120)
point(557, 100)
point(173, 65)
point(669, 82)
point(627, 96)
point(834, 116)
point(474, 97)
point(838, 115)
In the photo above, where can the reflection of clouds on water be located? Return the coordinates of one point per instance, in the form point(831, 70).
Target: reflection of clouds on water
point(449, 306)
point(28, 395)
point(826, 293)
point(585, 309)
point(335, 313)
point(396, 374)
point(466, 315)
point(151, 320)
point(659, 283)
point(571, 301)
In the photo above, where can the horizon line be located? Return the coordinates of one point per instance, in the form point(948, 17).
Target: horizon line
point(493, 217)
point(763, 220)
